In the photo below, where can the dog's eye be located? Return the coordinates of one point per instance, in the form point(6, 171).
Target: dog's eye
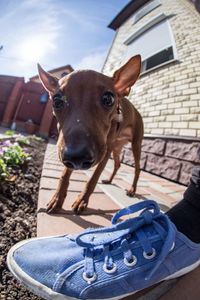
point(108, 99)
point(58, 102)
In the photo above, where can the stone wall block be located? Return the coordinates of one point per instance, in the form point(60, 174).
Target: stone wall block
point(186, 171)
point(184, 151)
point(156, 146)
point(129, 159)
point(163, 166)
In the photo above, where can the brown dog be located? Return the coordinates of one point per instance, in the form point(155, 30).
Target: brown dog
point(94, 119)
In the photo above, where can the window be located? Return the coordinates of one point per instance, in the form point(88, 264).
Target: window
point(145, 10)
point(64, 74)
point(158, 59)
point(44, 98)
point(154, 42)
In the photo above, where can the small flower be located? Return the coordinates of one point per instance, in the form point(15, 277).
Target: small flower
point(26, 150)
point(7, 143)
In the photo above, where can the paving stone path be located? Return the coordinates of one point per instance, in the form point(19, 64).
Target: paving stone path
point(105, 200)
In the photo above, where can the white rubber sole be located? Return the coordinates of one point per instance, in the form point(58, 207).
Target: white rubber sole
point(46, 293)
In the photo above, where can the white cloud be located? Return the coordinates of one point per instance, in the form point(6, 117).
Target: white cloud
point(33, 36)
point(53, 33)
point(93, 61)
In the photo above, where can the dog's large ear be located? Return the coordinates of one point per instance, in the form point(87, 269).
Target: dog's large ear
point(49, 81)
point(125, 77)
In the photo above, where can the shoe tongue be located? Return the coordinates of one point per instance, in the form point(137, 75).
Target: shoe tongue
point(103, 238)
point(94, 238)
point(149, 230)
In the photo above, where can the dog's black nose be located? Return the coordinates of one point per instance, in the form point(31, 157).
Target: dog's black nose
point(78, 157)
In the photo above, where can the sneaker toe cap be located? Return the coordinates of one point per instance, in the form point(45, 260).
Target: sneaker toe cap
point(41, 259)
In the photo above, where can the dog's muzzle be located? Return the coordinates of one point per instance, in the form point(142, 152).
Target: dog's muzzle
point(78, 157)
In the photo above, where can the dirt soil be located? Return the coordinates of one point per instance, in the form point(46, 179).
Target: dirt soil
point(18, 205)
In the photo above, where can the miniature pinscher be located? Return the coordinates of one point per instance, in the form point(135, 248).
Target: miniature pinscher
point(94, 120)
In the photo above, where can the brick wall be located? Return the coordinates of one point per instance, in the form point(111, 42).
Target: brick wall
point(168, 98)
point(20, 102)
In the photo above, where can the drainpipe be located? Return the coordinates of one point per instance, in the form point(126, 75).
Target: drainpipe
point(12, 103)
point(46, 121)
point(13, 125)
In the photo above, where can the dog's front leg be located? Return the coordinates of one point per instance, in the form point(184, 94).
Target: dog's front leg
point(136, 147)
point(82, 200)
point(61, 192)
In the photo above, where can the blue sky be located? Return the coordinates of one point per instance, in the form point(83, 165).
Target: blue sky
point(55, 33)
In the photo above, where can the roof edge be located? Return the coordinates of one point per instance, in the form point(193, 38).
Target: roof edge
point(55, 70)
point(126, 12)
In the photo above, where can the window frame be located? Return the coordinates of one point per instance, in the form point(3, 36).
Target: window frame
point(146, 9)
point(148, 25)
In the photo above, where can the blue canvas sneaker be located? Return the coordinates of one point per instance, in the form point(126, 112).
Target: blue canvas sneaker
point(106, 263)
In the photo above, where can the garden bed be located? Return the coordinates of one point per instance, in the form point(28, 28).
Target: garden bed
point(18, 205)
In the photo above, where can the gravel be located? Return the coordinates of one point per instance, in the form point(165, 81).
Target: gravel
point(18, 205)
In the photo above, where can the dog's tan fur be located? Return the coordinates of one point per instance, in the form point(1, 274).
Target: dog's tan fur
point(83, 120)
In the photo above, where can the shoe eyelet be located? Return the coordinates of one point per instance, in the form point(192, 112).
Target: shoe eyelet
point(110, 271)
point(89, 279)
point(151, 255)
point(172, 247)
point(131, 263)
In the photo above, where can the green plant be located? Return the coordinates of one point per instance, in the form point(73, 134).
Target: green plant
point(9, 132)
point(3, 169)
point(36, 138)
point(15, 156)
point(22, 140)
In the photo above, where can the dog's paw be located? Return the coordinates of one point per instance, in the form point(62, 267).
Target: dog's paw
point(79, 205)
point(106, 181)
point(130, 192)
point(53, 205)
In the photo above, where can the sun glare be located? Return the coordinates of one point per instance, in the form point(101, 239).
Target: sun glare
point(33, 49)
